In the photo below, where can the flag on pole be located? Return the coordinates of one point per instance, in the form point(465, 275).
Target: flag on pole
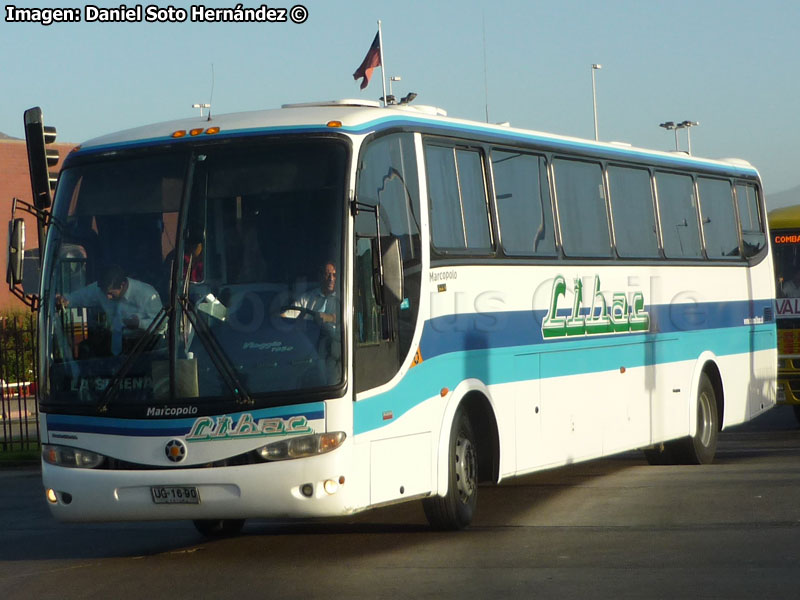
point(371, 60)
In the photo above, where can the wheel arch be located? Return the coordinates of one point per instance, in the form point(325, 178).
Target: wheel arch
point(474, 397)
point(707, 364)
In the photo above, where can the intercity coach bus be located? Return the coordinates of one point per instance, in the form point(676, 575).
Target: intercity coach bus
point(496, 301)
point(784, 224)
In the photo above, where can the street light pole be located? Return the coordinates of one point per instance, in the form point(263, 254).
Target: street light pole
point(688, 125)
point(201, 107)
point(595, 67)
point(670, 126)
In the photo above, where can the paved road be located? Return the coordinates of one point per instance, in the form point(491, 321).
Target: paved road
point(614, 528)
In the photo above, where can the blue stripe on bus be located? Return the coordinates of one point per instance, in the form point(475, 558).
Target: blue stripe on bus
point(474, 331)
point(167, 427)
point(571, 356)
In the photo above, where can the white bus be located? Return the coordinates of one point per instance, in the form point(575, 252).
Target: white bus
point(382, 304)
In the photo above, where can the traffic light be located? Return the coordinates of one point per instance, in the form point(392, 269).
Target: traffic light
point(40, 158)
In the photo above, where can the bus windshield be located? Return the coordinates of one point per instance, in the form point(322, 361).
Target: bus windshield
point(202, 274)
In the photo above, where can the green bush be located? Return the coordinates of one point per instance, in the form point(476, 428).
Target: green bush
point(17, 346)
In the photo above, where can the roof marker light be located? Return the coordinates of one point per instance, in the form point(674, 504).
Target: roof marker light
point(179, 134)
point(212, 130)
point(196, 131)
point(334, 123)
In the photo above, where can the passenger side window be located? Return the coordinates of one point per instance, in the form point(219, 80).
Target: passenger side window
point(719, 218)
point(582, 211)
point(457, 192)
point(677, 207)
point(387, 179)
point(632, 212)
point(524, 210)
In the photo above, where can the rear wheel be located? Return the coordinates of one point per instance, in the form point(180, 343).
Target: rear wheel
point(700, 448)
point(796, 409)
point(218, 528)
point(455, 510)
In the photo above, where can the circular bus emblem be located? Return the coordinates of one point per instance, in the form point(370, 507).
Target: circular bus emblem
point(175, 450)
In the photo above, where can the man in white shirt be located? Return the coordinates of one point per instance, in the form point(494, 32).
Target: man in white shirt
point(324, 301)
point(129, 305)
point(791, 288)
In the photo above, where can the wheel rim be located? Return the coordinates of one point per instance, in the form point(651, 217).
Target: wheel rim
point(704, 420)
point(466, 468)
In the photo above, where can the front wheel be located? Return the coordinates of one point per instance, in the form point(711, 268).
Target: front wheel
point(219, 528)
point(455, 510)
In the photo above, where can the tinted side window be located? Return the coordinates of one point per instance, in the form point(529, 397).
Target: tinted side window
point(472, 184)
point(678, 210)
point(632, 212)
point(447, 221)
point(523, 204)
point(719, 218)
point(582, 208)
point(457, 192)
point(750, 217)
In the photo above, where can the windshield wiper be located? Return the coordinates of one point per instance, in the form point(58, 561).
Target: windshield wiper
point(215, 352)
point(142, 344)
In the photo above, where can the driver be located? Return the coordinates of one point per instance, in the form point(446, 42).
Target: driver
point(791, 288)
point(324, 301)
point(129, 305)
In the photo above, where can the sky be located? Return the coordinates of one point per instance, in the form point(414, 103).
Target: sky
point(731, 65)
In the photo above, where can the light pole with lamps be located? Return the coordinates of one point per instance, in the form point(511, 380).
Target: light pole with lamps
point(595, 67)
point(201, 107)
point(670, 126)
point(688, 125)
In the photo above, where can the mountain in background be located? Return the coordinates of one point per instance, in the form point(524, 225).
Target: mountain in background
point(785, 198)
point(3, 136)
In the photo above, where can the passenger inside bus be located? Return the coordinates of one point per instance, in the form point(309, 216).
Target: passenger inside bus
point(127, 307)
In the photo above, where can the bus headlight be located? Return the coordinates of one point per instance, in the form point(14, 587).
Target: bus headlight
point(64, 456)
point(300, 447)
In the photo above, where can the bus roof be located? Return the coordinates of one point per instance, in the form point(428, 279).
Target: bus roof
point(787, 217)
point(359, 117)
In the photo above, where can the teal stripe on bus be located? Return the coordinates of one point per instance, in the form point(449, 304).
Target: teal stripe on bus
point(574, 357)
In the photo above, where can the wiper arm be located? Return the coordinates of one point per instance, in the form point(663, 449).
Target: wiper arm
point(138, 349)
point(215, 352)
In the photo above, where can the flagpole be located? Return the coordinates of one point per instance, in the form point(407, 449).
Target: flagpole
point(383, 64)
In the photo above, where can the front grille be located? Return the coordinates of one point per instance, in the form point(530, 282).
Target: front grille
point(115, 464)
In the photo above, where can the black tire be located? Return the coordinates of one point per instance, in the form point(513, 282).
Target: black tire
point(660, 454)
point(219, 528)
point(796, 409)
point(455, 510)
point(700, 448)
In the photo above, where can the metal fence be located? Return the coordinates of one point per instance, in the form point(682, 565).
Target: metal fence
point(19, 414)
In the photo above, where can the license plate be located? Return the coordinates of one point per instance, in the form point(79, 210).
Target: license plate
point(175, 494)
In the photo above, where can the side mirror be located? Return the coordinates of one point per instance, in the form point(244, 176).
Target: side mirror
point(392, 289)
point(16, 251)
